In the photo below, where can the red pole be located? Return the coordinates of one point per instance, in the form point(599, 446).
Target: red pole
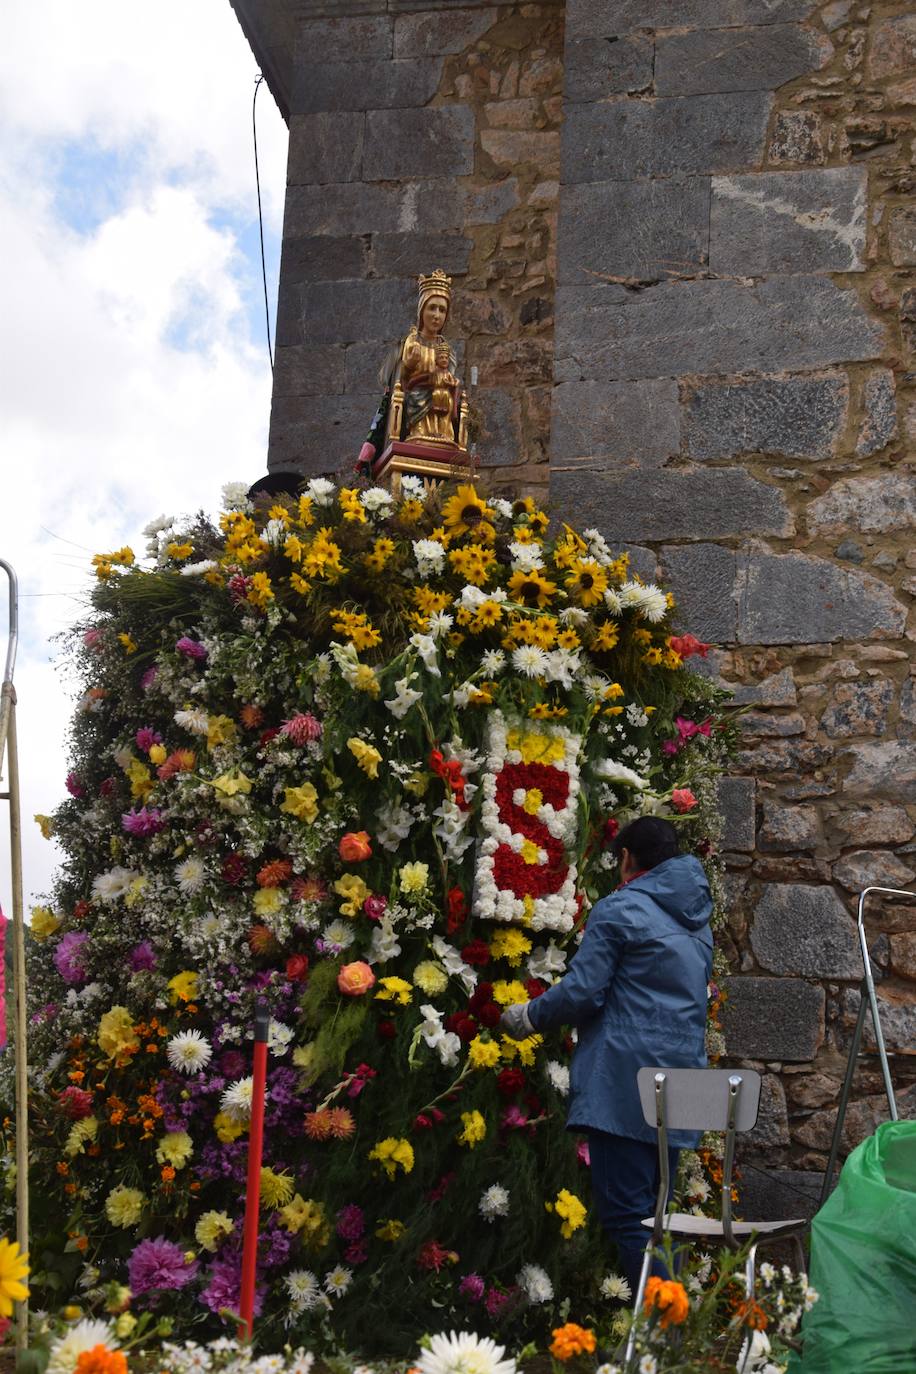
point(253, 1189)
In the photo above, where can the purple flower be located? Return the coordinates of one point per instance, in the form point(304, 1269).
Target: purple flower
point(149, 677)
point(146, 737)
point(224, 1288)
point(74, 785)
point(350, 1222)
point(142, 957)
point(157, 1264)
point(147, 821)
point(472, 1286)
point(191, 648)
point(67, 957)
point(232, 1063)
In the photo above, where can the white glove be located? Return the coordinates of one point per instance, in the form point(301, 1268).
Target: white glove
point(516, 1022)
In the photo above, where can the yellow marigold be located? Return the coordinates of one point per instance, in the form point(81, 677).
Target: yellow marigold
point(473, 1129)
point(525, 1050)
point(227, 1129)
point(572, 1340)
point(124, 1206)
point(175, 1148)
point(571, 1211)
point(392, 1152)
point(367, 757)
point(301, 802)
point(267, 901)
point(483, 1054)
point(391, 1230)
point(508, 993)
point(394, 990)
point(116, 1034)
point(351, 887)
point(413, 877)
point(44, 922)
point(511, 944)
point(183, 987)
point(430, 977)
point(276, 1188)
point(211, 1228)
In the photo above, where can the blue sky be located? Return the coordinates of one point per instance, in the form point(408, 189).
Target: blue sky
point(134, 376)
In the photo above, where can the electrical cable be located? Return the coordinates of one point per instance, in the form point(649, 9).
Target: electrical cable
point(257, 180)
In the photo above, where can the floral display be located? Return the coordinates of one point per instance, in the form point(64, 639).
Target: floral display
point(359, 759)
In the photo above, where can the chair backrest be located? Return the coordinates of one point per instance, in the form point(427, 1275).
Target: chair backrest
point(699, 1099)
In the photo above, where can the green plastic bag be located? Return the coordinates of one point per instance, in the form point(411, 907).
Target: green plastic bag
point(863, 1263)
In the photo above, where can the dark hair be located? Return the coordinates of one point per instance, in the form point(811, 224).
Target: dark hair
point(649, 839)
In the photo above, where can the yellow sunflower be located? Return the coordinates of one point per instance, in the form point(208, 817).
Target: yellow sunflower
point(468, 513)
point(14, 1268)
point(587, 582)
point(531, 588)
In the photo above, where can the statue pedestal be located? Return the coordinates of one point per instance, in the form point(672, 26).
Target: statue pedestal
point(433, 462)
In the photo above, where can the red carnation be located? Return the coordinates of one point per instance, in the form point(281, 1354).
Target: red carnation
point(510, 1081)
point(387, 1030)
point(297, 967)
point(534, 988)
point(482, 994)
point(75, 1103)
point(477, 952)
point(611, 831)
point(457, 910)
point(488, 1015)
point(466, 1028)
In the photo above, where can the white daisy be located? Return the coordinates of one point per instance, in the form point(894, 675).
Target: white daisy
point(463, 1354)
point(337, 1281)
point(236, 1100)
point(377, 500)
point(440, 624)
point(493, 662)
point(235, 496)
point(430, 556)
point(85, 1335)
point(616, 1286)
point(301, 1362)
point(412, 486)
point(494, 1202)
point(530, 660)
point(303, 1289)
point(278, 1037)
point(190, 875)
point(189, 1052)
point(535, 1283)
point(321, 491)
point(648, 1365)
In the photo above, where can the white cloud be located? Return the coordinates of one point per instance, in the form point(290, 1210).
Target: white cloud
point(132, 379)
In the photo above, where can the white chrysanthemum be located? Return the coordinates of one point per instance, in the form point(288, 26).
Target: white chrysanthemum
point(502, 506)
point(303, 1289)
point(526, 557)
point(430, 556)
point(161, 522)
point(236, 1100)
point(613, 601)
point(234, 496)
point(546, 962)
point(192, 719)
point(279, 1036)
point(376, 500)
point(440, 623)
point(339, 933)
point(466, 1353)
point(109, 887)
point(338, 1280)
point(321, 491)
point(198, 569)
point(616, 1286)
point(493, 662)
point(86, 1335)
point(208, 927)
point(188, 1052)
point(535, 1283)
point(494, 1202)
point(559, 1077)
point(190, 875)
point(530, 660)
point(412, 486)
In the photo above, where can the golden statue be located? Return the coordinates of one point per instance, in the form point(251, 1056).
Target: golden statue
point(421, 424)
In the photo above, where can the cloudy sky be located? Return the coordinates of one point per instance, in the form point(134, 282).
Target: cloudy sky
point(134, 375)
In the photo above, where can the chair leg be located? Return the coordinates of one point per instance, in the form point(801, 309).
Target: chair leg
point(637, 1304)
point(800, 1253)
point(750, 1272)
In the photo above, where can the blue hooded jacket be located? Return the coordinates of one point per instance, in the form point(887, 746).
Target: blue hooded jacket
point(636, 991)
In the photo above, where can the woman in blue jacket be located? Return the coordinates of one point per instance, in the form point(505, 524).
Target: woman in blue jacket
point(636, 992)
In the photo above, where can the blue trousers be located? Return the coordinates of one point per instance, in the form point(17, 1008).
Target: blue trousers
point(625, 1182)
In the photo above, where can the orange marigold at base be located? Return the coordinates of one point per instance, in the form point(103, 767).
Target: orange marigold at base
point(101, 1360)
point(669, 1297)
point(570, 1340)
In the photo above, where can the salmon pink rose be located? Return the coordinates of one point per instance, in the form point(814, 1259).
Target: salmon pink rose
point(354, 847)
point(682, 799)
point(355, 979)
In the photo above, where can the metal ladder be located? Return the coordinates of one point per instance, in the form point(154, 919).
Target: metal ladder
point(9, 751)
point(868, 1001)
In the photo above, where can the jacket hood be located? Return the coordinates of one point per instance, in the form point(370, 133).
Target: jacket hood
point(680, 888)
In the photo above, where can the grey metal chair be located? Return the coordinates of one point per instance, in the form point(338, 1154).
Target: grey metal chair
point(724, 1100)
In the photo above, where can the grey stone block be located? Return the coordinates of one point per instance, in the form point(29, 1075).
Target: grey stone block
point(423, 143)
point(775, 1194)
point(594, 69)
point(792, 598)
point(737, 803)
point(798, 136)
point(319, 257)
point(795, 417)
point(366, 208)
point(885, 770)
point(670, 505)
point(642, 229)
point(879, 424)
point(788, 827)
point(500, 443)
point(319, 434)
point(406, 255)
point(898, 1024)
point(621, 139)
point(382, 84)
point(758, 58)
point(303, 371)
point(907, 709)
point(874, 505)
point(858, 708)
point(626, 423)
point(642, 561)
point(766, 725)
point(702, 579)
point(709, 327)
point(346, 311)
point(872, 868)
point(773, 1018)
point(348, 39)
point(432, 34)
point(901, 235)
point(364, 361)
point(809, 221)
point(487, 204)
point(804, 930)
point(325, 147)
point(771, 1130)
point(776, 690)
point(599, 18)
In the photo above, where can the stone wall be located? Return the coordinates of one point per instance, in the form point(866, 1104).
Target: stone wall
point(735, 319)
point(421, 136)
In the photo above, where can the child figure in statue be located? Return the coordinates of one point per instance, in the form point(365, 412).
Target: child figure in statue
point(424, 401)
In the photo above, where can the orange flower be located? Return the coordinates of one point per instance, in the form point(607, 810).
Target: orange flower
point(329, 1123)
point(274, 873)
point(355, 979)
point(670, 1297)
point(251, 717)
point(572, 1340)
point(181, 761)
point(101, 1360)
point(355, 846)
point(751, 1314)
point(261, 940)
point(168, 1173)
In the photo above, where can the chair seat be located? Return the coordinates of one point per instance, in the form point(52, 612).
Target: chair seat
point(688, 1224)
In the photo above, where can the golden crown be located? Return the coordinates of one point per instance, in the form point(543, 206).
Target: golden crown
point(437, 283)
